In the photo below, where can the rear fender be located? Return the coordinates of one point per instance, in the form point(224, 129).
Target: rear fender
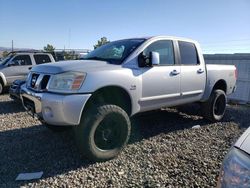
point(210, 86)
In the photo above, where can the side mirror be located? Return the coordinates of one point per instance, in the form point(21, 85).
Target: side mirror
point(155, 58)
point(143, 60)
point(148, 61)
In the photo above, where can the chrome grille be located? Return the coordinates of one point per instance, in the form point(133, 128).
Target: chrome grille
point(34, 78)
point(38, 82)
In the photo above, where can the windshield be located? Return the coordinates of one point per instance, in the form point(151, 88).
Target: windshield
point(115, 52)
point(6, 59)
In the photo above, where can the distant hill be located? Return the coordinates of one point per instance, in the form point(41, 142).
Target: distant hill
point(2, 49)
point(9, 49)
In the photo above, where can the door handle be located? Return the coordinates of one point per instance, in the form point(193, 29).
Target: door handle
point(175, 72)
point(30, 68)
point(200, 71)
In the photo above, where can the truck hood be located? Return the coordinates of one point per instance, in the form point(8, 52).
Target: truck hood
point(244, 141)
point(76, 65)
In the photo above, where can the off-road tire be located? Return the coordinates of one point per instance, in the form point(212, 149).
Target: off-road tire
point(90, 133)
point(214, 108)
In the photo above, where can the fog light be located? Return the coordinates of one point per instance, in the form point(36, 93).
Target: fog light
point(48, 112)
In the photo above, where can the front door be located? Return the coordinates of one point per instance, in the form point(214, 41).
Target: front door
point(160, 83)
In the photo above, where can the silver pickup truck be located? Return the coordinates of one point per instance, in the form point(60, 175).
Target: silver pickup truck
point(98, 95)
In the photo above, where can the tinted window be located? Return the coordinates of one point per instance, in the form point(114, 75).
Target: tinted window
point(165, 50)
point(40, 59)
point(22, 60)
point(188, 53)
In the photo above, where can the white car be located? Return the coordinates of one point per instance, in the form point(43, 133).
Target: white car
point(235, 170)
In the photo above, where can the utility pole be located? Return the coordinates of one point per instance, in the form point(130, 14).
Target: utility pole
point(69, 36)
point(12, 46)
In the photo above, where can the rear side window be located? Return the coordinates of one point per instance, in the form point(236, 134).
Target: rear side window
point(165, 50)
point(40, 59)
point(22, 60)
point(188, 53)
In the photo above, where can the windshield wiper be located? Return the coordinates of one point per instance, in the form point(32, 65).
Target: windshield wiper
point(111, 61)
point(95, 58)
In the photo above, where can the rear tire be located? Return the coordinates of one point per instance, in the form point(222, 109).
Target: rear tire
point(103, 132)
point(214, 108)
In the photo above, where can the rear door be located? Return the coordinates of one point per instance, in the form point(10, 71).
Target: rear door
point(193, 74)
point(160, 83)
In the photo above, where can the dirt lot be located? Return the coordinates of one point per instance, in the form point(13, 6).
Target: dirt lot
point(165, 151)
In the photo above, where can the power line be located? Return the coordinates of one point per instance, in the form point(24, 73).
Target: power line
point(233, 43)
point(226, 41)
point(231, 49)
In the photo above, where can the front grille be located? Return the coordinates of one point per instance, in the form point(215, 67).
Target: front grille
point(38, 81)
point(34, 78)
point(45, 81)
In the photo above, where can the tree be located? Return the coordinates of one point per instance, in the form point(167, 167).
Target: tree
point(101, 42)
point(71, 55)
point(5, 54)
point(49, 48)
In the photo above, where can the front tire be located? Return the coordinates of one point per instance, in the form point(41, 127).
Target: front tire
point(103, 132)
point(214, 108)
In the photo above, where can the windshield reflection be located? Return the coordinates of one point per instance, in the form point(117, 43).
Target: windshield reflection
point(115, 52)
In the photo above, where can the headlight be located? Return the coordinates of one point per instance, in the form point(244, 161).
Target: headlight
point(68, 81)
point(235, 171)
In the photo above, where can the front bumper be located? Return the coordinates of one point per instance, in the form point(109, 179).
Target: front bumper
point(54, 109)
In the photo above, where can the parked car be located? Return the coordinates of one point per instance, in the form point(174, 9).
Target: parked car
point(15, 88)
point(17, 65)
point(235, 170)
point(98, 95)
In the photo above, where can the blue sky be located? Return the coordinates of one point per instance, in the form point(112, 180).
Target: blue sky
point(220, 26)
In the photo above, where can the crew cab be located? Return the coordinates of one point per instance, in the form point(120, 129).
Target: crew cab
point(98, 95)
point(17, 65)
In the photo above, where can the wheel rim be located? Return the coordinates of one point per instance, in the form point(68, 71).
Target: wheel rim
point(108, 134)
point(220, 105)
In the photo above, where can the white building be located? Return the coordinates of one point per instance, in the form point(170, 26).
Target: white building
point(242, 62)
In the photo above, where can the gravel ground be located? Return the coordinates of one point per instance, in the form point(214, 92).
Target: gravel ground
point(164, 150)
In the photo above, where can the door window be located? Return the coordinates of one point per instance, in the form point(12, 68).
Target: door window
point(165, 50)
point(22, 60)
point(188, 53)
point(40, 59)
